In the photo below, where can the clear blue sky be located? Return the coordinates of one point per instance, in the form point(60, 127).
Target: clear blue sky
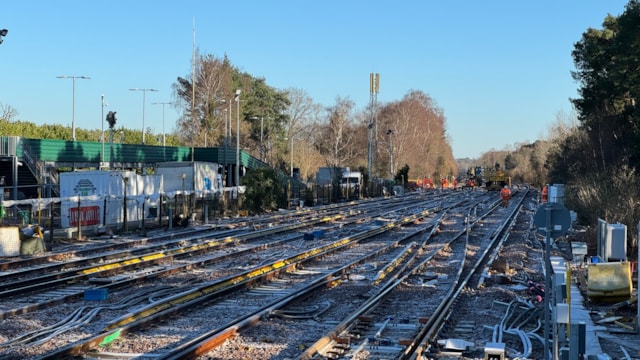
point(500, 70)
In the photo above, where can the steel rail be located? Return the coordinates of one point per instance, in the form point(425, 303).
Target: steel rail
point(170, 306)
point(76, 275)
point(435, 322)
point(335, 334)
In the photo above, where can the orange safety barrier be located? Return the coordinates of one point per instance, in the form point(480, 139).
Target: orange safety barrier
point(89, 215)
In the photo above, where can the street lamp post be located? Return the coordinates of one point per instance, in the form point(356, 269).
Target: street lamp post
point(73, 101)
point(390, 132)
point(230, 119)
point(102, 120)
point(224, 146)
point(227, 142)
point(144, 95)
point(237, 100)
point(164, 140)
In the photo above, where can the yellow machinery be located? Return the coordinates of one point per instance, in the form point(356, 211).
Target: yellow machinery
point(496, 179)
point(609, 281)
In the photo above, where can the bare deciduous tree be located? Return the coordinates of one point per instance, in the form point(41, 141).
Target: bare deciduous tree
point(8, 112)
point(419, 136)
point(303, 115)
point(338, 135)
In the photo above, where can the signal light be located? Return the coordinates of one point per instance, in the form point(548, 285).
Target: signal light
point(111, 119)
point(3, 32)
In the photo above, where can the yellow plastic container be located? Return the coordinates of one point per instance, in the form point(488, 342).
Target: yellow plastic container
point(609, 282)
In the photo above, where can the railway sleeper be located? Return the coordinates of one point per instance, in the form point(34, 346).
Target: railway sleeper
point(342, 347)
point(342, 341)
point(364, 323)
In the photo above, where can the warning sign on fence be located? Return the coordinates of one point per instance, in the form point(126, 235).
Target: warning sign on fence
point(89, 215)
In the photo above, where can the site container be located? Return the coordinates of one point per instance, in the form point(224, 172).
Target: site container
point(201, 177)
point(93, 182)
point(86, 194)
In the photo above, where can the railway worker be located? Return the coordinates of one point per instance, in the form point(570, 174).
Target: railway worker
point(505, 194)
point(545, 193)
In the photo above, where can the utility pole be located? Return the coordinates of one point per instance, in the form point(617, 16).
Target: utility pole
point(164, 137)
point(73, 101)
point(237, 100)
point(102, 120)
point(374, 89)
point(390, 133)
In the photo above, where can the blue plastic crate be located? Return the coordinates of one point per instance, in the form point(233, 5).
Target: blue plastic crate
point(96, 294)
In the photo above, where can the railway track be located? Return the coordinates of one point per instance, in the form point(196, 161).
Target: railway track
point(398, 318)
point(269, 289)
point(101, 264)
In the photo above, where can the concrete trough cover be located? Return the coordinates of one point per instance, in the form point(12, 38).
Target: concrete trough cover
point(455, 344)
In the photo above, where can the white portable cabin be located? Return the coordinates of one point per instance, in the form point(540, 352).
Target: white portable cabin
point(199, 177)
point(99, 195)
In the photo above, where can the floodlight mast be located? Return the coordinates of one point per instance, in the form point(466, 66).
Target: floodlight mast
point(73, 101)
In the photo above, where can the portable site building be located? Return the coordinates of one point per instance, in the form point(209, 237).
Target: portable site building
point(97, 197)
point(199, 177)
